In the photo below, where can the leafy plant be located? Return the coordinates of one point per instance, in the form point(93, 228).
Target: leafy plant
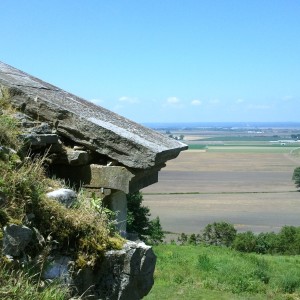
point(156, 234)
point(219, 234)
point(289, 283)
point(296, 177)
point(138, 220)
point(245, 242)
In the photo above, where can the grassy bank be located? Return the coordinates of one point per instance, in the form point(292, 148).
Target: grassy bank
point(209, 272)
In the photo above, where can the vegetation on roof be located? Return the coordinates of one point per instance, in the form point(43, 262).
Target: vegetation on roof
point(83, 232)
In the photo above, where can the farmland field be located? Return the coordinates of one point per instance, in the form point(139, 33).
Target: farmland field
point(248, 186)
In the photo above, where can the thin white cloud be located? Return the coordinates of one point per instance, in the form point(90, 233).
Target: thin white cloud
point(130, 100)
point(173, 100)
point(239, 101)
point(196, 102)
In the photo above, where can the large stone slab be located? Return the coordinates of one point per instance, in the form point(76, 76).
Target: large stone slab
point(125, 274)
point(95, 176)
point(87, 124)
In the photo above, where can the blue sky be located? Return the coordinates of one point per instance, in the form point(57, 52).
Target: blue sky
point(163, 60)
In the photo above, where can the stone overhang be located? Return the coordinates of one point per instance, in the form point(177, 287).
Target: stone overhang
point(86, 144)
point(87, 124)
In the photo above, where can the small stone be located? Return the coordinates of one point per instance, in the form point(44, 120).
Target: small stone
point(78, 157)
point(15, 239)
point(44, 128)
point(58, 269)
point(66, 197)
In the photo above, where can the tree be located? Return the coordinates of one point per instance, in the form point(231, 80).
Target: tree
point(219, 234)
point(138, 220)
point(245, 242)
point(296, 177)
point(156, 234)
point(192, 239)
point(183, 238)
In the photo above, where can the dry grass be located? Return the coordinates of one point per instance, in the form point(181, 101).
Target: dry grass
point(253, 191)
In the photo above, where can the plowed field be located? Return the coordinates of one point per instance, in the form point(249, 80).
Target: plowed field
point(254, 191)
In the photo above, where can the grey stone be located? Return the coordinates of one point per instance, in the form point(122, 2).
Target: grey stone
point(117, 202)
point(40, 140)
point(78, 157)
point(44, 128)
point(15, 239)
point(86, 124)
point(66, 197)
point(58, 268)
point(96, 176)
point(125, 274)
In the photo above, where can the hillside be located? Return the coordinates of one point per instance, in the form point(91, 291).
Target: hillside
point(211, 272)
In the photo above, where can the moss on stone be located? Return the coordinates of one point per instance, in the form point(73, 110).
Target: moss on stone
point(81, 232)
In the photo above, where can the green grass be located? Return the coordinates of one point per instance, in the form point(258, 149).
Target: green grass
point(19, 284)
point(208, 272)
point(247, 147)
point(240, 148)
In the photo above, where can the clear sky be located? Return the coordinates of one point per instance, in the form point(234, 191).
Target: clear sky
point(163, 60)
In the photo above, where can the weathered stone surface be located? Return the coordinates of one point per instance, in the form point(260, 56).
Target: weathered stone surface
point(78, 157)
point(117, 202)
point(125, 274)
point(43, 128)
point(41, 140)
point(15, 239)
point(58, 269)
point(87, 124)
point(111, 177)
point(65, 196)
point(96, 176)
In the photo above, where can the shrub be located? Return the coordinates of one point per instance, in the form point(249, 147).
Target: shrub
point(156, 234)
point(266, 243)
point(219, 234)
point(296, 177)
point(289, 240)
point(192, 240)
point(138, 220)
point(137, 215)
point(204, 263)
point(245, 242)
point(183, 238)
point(289, 283)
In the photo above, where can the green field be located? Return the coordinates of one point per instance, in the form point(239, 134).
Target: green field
point(210, 272)
point(245, 147)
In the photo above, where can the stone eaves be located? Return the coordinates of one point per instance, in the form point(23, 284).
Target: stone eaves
point(87, 124)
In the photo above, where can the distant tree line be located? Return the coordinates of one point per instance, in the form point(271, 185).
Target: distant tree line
point(295, 136)
point(287, 241)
